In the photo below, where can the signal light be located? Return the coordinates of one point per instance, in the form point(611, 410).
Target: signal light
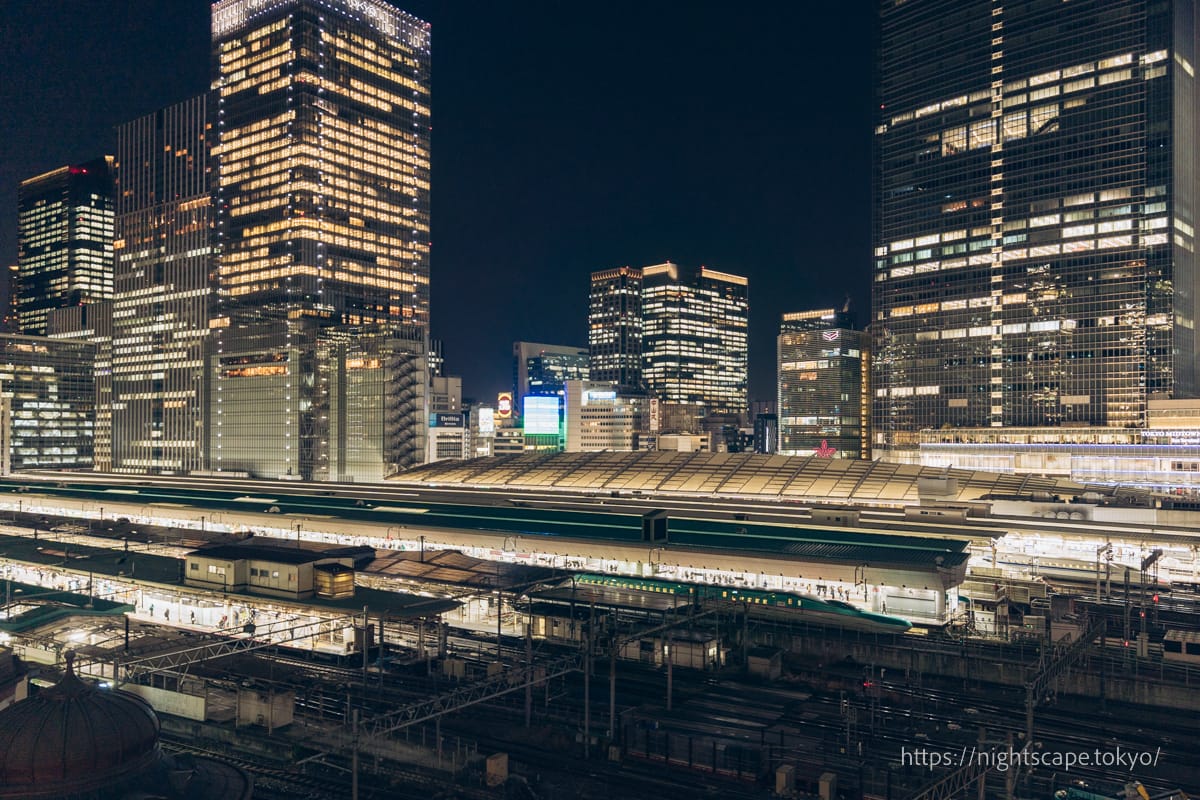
point(1156, 598)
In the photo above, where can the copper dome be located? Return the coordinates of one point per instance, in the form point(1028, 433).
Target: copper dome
point(74, 738)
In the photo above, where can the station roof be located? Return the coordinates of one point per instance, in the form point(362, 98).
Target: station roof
point(34, 606)
point(753, 475)
point(452, 568)
point(261, 552)
point(821, 544)
point(166, 570)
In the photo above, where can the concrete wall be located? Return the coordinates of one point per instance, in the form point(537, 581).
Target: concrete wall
point(269, 709)
point(188, 706)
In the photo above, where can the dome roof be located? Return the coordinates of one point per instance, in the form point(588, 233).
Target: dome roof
point(73, 738)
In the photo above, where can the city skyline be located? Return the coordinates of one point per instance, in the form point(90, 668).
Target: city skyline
point(616, 156)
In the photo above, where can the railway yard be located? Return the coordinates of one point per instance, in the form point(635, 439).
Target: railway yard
point(451, 675)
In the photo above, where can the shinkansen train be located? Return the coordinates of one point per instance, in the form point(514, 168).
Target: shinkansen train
point(763, 603)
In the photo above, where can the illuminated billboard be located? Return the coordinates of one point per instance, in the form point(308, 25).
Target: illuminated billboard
point(487, 420)
point(504, 405)
point(540, 415)
point(595, 396)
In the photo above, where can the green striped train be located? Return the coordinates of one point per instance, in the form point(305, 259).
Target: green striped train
point(761, 603)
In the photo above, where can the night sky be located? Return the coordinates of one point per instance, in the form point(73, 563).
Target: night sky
point(567, 138)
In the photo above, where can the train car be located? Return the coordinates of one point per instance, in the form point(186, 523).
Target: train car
point(764, 604)
point(1182, 646)
point(638, 584)
point(789, 606)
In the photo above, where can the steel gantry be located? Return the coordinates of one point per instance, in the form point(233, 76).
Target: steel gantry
point(1055, 668)
point(373, 733)
point(125, 671)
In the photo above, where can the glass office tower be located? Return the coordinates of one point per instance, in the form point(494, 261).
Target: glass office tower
point(615, 327)
point(161, 291)
point(1035, 195)
point(323, 136)
point(64, 241)
point(47, 402)
point(544, 369)
point(694, 337)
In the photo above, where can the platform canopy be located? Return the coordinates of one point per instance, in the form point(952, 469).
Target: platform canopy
point(746, 475)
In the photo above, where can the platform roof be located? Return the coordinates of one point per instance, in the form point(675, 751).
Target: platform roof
point(806, 478)
point(42, 605)
point(452, 568)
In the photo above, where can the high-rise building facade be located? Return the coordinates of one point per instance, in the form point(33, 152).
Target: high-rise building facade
point(597, 416)
point(48, 399)
point(64, 241)
point(295, 400)
point(542, 369)
point(694, 337)
point(615, 327)
point(162, 291)
point(824, 373)
point(323, 148)
point(92, 323)
point(379, 398)
point(1034, 215)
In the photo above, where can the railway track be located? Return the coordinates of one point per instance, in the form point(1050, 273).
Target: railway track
point(286, 782)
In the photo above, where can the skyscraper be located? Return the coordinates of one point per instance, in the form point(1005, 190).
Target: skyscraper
point(1034, 215)
point(824, 406)
point(694, 337)
point(323, 138)
point(65, 239)
point(615, 327)
point(162, 291)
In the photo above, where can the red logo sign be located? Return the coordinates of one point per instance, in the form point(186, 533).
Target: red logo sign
point(504, 405)
point(825, 451)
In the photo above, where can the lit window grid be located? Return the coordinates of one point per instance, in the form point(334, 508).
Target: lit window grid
point(322, 142)
point(695, 341)
point(160, 308)
point(1129, 273)
point(615, 327)
point(51, 387)
point(65, 239)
